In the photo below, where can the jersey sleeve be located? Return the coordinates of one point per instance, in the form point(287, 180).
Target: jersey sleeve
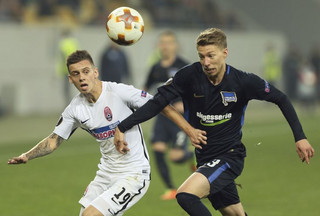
point(66, 124)
point(260, 89)
point(165, 95)
point(132, 96)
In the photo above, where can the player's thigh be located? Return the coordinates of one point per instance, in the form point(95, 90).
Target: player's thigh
point(196, 184)
point(93, 190)
point(91, 211)
point(122, 195)
point(221, 175)
point(227, 200)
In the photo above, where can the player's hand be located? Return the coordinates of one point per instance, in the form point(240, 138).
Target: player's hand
point(304, 150)
point(197, 137)
point(18, 160)
point(120, 143)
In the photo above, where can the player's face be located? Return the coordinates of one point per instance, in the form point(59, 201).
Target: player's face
point(213, 60)
point(84, 76)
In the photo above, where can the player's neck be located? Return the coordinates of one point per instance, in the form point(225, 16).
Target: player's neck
point(95, 93)
point(216, 79)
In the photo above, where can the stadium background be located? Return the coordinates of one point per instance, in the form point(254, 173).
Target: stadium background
point(274, 181)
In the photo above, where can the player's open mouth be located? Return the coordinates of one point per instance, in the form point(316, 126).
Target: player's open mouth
point(84, 86)
point(209, 70)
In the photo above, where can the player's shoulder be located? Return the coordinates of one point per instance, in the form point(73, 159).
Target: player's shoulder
point(189, 73)
point(244, 78)
point(112, 86)
point(76, 100)
point(119, 89)
point(237, 73)
point(190, 69)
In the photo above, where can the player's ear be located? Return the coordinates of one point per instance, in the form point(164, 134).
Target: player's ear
point(96, 72)
point(70, 80)
point(225, 52)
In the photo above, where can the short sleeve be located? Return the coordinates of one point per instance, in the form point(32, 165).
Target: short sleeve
point(66, 124)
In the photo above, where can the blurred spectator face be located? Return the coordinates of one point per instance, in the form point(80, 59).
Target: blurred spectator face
point(168, 46)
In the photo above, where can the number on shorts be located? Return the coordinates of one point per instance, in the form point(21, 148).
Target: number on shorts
point(120, 198)
point(213, 163)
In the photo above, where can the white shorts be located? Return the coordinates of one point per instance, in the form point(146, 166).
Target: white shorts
point(113, 194)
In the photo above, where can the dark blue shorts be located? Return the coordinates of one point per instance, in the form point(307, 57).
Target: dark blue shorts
point(221, 173)
point(164, 130)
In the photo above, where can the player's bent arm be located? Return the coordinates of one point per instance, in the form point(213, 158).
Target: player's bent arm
point(144, 113)
point(44, 147)
point(303, 147)
point(196, 136)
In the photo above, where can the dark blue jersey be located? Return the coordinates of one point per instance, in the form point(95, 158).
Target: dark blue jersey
point(217, 109)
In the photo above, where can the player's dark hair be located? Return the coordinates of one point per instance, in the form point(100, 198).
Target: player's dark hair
point(78, 56)
point(212, 36)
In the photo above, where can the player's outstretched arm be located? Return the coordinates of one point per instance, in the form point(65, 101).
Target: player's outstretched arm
point(197, 137)
point(44, 147)
point(119, 142)
point(304, 150)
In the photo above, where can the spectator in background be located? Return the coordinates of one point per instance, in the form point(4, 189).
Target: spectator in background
point(315, 62)
point(11, 10)
point(114, 64)
point(272, 65)
point(307, 87)
point(67, 45)
point(47, 8)
point(290, 67)
point(165, 133)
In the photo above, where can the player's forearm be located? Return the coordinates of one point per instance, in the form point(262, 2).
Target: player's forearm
point(44, 147)
point(291, 116)
point(177, 118)
point(144, 113)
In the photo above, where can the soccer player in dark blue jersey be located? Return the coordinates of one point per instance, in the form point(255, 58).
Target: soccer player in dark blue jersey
point(215, 97)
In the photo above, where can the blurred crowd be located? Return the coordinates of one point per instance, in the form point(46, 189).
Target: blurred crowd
point(174, 13)
point(299, 73)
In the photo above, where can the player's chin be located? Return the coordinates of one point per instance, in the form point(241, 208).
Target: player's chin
point(210, 72)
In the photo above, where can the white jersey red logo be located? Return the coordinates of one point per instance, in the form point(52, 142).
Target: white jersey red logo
point(108, 113)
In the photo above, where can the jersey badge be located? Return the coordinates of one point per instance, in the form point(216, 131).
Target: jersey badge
point(108, 113)
point(228, 97)
point(266, 86)
point(143, 93)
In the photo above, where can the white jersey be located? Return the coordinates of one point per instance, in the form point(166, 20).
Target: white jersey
point(116, 102)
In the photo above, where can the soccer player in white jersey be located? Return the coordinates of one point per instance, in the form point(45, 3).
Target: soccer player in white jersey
point(122, 179)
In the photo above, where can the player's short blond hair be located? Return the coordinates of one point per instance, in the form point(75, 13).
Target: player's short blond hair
point(212, 36)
